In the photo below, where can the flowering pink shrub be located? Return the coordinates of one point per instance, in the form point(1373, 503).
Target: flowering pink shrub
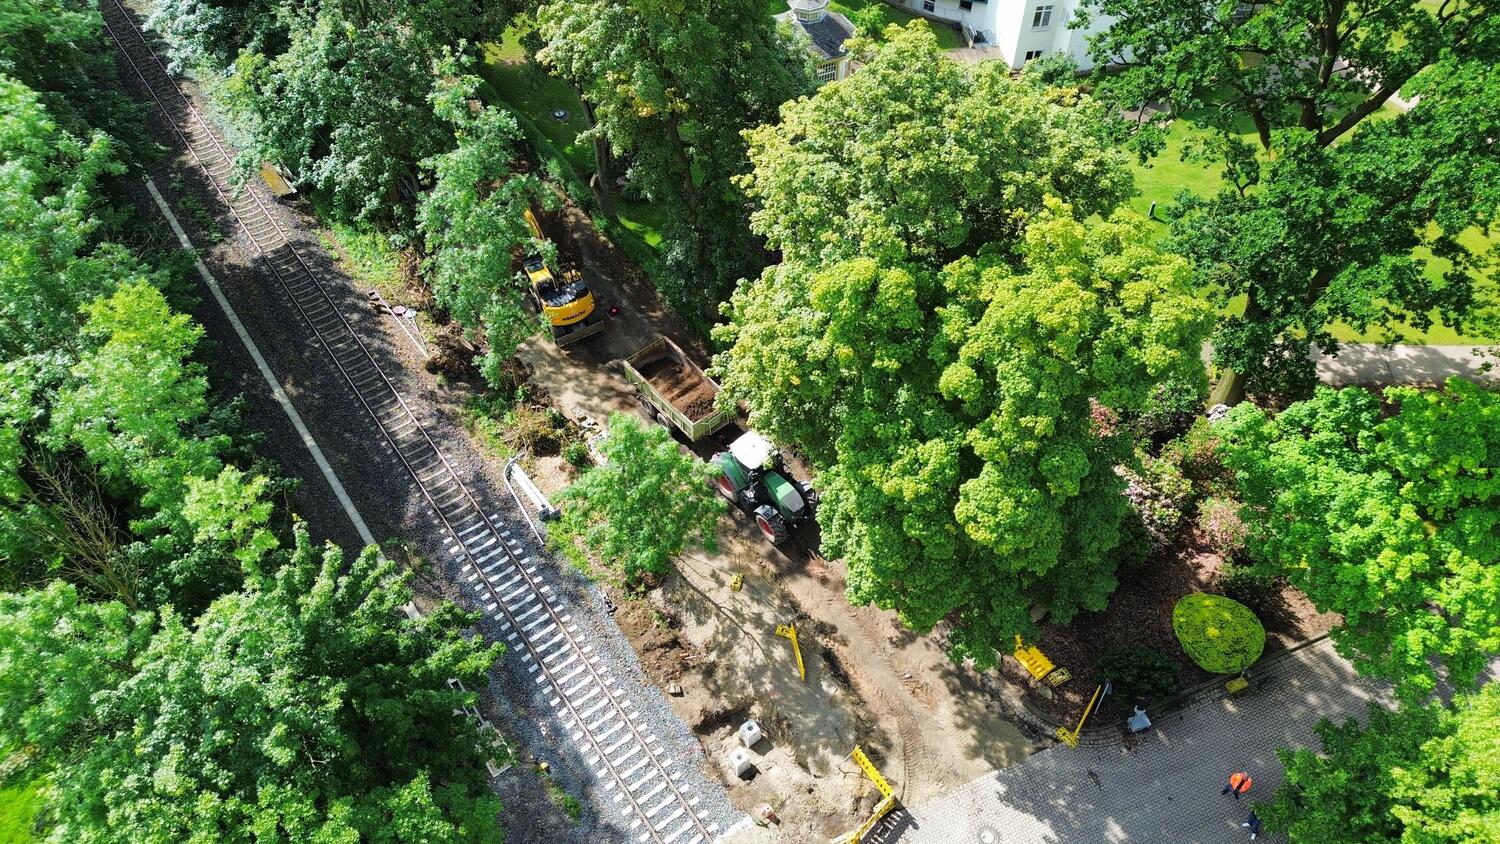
point(1222, 528)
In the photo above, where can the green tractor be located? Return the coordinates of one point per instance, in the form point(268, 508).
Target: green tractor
point(753, 478)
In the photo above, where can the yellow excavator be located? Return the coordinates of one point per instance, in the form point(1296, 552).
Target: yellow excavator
point(563, 298)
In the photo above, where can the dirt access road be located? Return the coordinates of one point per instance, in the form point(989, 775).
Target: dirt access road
point(869, 681)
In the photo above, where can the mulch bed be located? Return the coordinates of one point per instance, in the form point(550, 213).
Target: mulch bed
point(1140, 614)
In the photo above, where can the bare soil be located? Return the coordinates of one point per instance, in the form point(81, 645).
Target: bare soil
point(1140, 614)
point(928, 723)
point(682, 386)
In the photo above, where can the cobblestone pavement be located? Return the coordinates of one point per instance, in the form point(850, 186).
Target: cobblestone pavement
point(1165, 789)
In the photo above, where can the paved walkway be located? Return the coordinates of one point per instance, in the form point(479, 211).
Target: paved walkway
point(1367, 363)
point(1166, 789)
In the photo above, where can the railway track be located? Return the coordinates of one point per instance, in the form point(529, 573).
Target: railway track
point(636, 775)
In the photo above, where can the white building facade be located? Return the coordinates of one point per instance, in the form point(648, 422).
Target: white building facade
point(1021, 30)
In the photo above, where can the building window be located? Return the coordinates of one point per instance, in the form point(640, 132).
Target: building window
point(1042, 17)
point(1033, 54)
point(828, 71)
point(966, 5)
point(929, 6)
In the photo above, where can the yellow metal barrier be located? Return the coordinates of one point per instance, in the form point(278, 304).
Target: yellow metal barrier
point(1033, 660)
point(1070, 737)
point(888, 794)
point(790, 632)
point(868, 767)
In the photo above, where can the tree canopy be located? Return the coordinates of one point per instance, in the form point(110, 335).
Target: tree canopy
point(918, 157)
point(473, 220)
point(645, 505)
point(950, 413)
point(1426, 774)
point(303, 708)
point(1321, 226)
point(1392, 522)
point(671, 86)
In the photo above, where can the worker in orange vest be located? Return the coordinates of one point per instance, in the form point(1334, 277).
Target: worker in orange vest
point(1239, 783)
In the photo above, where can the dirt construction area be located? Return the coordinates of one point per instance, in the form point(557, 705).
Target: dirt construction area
point(925, 722)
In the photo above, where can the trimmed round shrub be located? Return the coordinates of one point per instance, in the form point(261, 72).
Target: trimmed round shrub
point(1139, 674)
point(1220, 634)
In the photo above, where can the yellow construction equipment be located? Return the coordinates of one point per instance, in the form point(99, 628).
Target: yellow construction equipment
point(888, 800)
point(737, 581)
point(790, 632)
point(1070, 737)
point(564, 299)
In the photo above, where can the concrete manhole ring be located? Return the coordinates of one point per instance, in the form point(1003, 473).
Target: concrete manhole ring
point(988, 836)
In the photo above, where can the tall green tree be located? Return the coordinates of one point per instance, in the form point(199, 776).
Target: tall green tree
point(1393, 523)
point(305, 708)
point(671, 85)
point(950, 413)
point(917, 157)
point(112, 468)
point(59, 49)
point(1320, 221)
point(52, 209)
point(1426, 774)
point(135, 398)
point(647, 503)
point(345, 108)
point(472, 221)
point(57, 651)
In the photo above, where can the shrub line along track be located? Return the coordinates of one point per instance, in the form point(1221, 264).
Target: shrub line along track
point(598, 716)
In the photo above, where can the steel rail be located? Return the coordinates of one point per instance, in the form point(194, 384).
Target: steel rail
point(466, 513)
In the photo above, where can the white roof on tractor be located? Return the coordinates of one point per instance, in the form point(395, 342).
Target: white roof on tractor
point(752, 450)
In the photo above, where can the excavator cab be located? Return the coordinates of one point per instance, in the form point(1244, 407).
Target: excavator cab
point(563, 301)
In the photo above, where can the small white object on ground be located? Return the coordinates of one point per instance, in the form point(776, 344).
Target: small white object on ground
point(750, 733)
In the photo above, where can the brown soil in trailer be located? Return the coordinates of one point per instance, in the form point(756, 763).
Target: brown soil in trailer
point(682, 387)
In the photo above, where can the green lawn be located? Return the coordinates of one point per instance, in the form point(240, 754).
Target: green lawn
point(532, 92)
point(537, 95)
point(1162, 178)
point(18, 807)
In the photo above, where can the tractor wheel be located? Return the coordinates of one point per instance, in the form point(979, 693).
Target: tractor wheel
point(771, 525)
point(726, 489)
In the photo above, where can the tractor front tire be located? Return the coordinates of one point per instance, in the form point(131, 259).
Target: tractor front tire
point(771, 525)
point(726, 489)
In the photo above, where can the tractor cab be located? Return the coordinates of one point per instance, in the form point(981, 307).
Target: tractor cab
point(752, 477)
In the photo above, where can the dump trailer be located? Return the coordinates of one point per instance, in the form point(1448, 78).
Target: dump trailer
point(675, 391)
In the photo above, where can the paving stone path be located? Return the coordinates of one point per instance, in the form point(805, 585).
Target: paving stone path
point(1165, 788)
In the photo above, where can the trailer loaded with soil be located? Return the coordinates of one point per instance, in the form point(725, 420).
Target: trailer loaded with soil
point(675, 391)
